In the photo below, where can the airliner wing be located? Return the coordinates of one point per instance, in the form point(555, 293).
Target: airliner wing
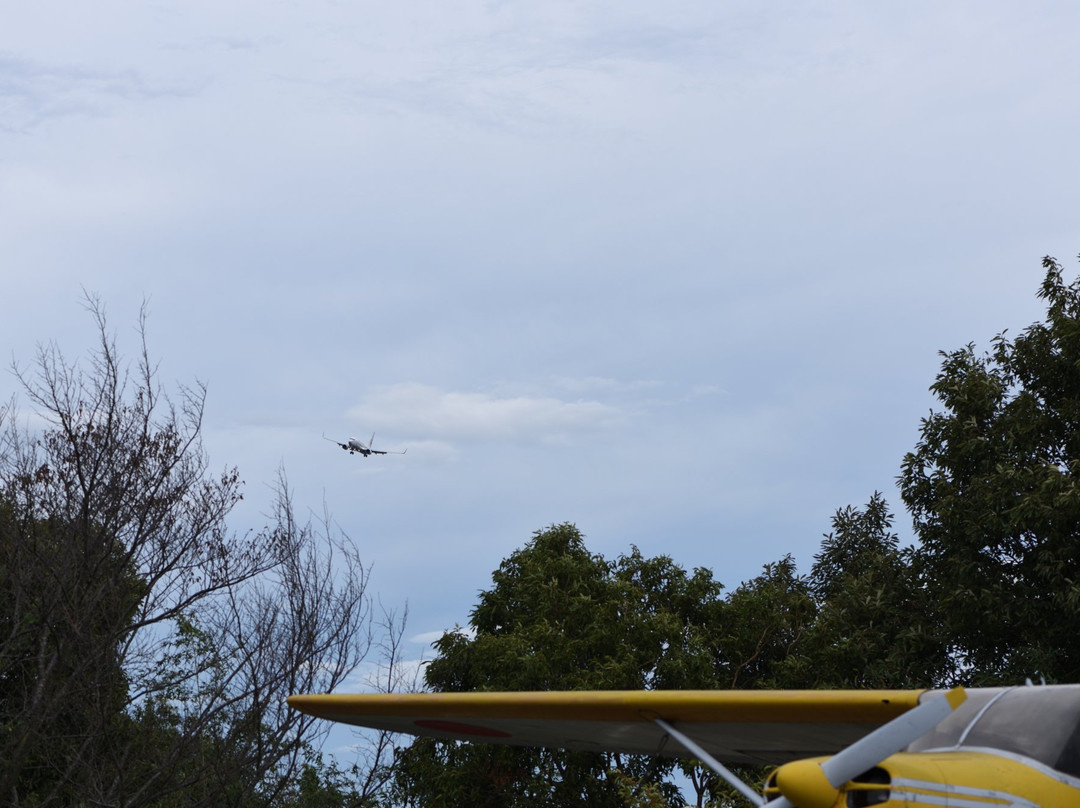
point(747, 726)
point(335, 440)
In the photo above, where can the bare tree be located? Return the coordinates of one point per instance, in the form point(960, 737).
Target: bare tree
point(146, 649)
point(391, 672)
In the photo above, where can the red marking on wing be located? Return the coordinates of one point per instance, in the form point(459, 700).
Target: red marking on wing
point(459, 728)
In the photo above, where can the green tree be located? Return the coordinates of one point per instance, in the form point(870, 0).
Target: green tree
point(560, 617)
point(993, 486)
point(766, 622)
point(44, 646)
point(876, 626)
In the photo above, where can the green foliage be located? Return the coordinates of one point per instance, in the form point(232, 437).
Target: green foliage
point(560, 617)
point(766, 620)
point(323, 784)
point(876, 625)
point(994, 491)
point(63, 614)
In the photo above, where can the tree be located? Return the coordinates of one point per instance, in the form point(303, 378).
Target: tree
point(373, 765)
point(146, 649)
point(993, 486)
point(876, 625)
point(766, 622)
point(560, 617)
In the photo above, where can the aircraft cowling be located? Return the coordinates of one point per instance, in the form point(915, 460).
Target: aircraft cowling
point(804, 784)
point(816, 783)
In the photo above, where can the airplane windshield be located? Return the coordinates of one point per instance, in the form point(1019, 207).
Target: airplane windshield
point(1039, 723)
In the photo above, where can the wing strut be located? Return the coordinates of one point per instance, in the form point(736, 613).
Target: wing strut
point(714, 764)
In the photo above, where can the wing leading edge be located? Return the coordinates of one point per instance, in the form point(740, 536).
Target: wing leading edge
point(735, 726)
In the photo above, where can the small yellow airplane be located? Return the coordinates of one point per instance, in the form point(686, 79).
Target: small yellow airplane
point(979, 748)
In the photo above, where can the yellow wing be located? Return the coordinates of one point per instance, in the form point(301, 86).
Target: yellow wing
point(747, 726)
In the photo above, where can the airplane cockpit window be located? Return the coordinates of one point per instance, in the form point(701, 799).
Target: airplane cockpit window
point(1038, 723)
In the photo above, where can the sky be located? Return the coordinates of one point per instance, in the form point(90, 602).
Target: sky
point(677, 273)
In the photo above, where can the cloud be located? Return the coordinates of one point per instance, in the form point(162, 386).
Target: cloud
point(32, 92)
point(425, 411)
point(427, 637)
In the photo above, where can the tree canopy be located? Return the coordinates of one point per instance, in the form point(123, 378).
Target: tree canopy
point(993, 486)
point(560, 617)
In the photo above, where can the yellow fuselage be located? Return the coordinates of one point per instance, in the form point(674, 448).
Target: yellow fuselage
point(962, 777)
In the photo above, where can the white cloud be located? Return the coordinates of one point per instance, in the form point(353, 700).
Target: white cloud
point(427, 637)
point(422, 410)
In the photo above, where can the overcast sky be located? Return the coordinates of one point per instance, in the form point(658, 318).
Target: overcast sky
point(675, 272)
